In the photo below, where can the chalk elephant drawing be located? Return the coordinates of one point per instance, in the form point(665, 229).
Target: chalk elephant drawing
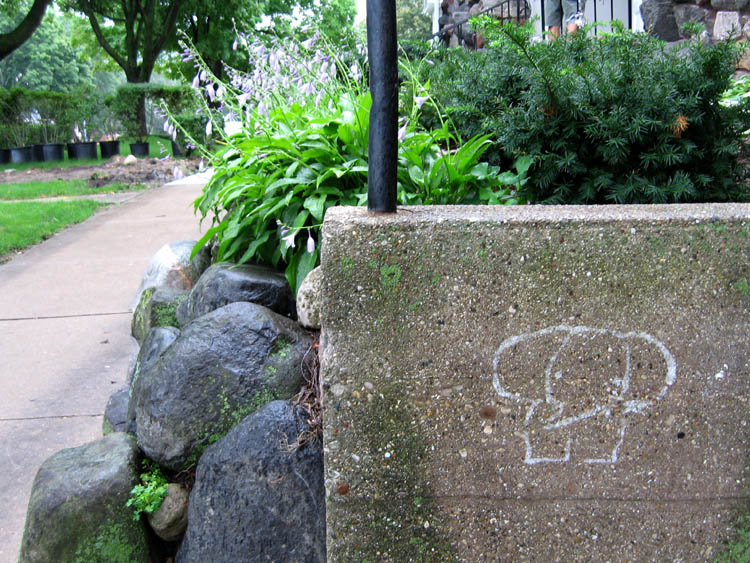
point(579, 385)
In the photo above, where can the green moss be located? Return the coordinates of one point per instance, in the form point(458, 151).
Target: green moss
point(230, 416)
point(390, 276)
point(391, 427)
point(110, 543)
point(743, 286)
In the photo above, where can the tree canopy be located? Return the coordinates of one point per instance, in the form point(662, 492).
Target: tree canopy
point(47, 61)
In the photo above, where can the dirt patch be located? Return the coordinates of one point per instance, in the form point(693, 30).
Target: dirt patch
point(148, 171)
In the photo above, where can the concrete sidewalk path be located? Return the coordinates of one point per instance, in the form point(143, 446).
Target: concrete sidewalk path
point(65, 344)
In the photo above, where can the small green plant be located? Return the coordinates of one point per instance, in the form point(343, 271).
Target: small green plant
point(739, 551)
point(148, 496)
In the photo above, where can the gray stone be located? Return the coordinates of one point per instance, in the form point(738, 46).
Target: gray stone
point(257, 499)
point(116, 412)
point(156, 307)
point(223, 366)
point(659, 19)
point(535, 383)
point(688, 13)
point(170, 520)
point(157, 340)
point(308, 300)
point(226, 283)
point(77, 507)
point(729, 4)
point(727, 25)
point(172, 266)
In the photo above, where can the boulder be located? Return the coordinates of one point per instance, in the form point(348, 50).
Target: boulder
point(116, 412)
point(727, 25)
point(157, 340)
point(309, 298)
point(729, 4)
point(172, 267)
point(222, 367)
point(226, 283)
point(687, 13)
point(170, 520)
point(77, 507)
point(156, 307)
point(658, 19)
point(257, 499)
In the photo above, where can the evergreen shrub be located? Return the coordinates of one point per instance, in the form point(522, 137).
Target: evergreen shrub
point(615, 118)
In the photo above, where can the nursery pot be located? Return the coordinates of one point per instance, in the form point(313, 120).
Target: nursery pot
point(177, 149)
point(38, 153)
point(53, 151)
point(4, 156)
point(19, 155)
point(139, 149)
point(82, 150)
point(109, 148)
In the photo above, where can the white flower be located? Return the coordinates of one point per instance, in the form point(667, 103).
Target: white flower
point(242, 98)
point(288, 240)
point(232, 128)
point(209, 128)
point(178, 173)
point(310, 243)
point(420, 100)
point(402, 131)
point(234, 45)
point(196, 81)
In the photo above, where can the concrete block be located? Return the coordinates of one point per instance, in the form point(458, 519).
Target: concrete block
point(535, 383)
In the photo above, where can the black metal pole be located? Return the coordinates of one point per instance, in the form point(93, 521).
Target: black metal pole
point(383, 148)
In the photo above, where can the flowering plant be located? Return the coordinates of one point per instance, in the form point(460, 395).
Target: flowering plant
point(295, 138)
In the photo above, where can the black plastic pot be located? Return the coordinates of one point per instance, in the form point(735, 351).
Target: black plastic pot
point(139, 149)
point(38, 154)
point(53, 151)
point(82, 151)
point(177, 149)
point(109, 148)
point(19, 155)
point(4, 156)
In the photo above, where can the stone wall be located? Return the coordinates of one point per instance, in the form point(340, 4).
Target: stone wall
point(535, 383)
point(666, 18)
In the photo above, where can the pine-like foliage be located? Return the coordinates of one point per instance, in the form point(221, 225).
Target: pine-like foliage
point(618, 118)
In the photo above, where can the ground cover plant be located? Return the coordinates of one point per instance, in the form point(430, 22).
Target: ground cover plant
point(614, 118)
point(295, 134)
point(23, 224)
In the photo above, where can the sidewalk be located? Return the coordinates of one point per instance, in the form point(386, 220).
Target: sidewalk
point(65, 310)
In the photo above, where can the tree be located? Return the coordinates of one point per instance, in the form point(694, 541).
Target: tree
point(412, 22)
point(47, 61)
point(13, 38)
point(134, 33)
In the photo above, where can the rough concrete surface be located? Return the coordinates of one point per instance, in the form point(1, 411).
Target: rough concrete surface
point(65, 308)
point(536, 383)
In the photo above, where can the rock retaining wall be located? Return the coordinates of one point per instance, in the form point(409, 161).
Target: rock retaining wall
point(561, 383)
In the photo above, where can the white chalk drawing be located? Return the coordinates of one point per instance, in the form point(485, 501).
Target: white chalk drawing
point(635, 371)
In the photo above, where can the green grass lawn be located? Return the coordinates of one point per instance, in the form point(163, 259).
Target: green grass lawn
point(54, 188)
point(23, 224)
